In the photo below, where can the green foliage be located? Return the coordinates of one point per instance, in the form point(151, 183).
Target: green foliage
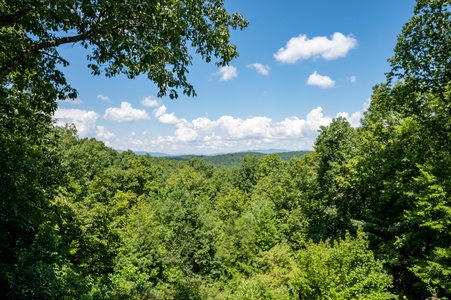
point(344, 270)
point(130, 38)
point(336, 147)
point(429, 222)
point(421, 54)
point(245, 176)
point(404, 179)
point(78, 220)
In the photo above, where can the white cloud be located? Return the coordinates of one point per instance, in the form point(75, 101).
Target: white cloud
point(254, 127)
point(352, 79)
point(84, 120)
point(205, 136)
point(163, 117)
point(169, 119)
point(261, 69)
point(158, 112)
point(185, 134)
point(126, 113)
point(103, 134)
point(315, 119)
point(151, 102)
point(103, 98)
point(353, 119)
point(301, 48)
point(320, 80)
point(227, 73)
point(233, 134)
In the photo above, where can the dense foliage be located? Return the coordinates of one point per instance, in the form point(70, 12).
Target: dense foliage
point(127, 226)
point(366, 215)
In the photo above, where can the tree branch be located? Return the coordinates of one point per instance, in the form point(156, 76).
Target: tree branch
point(36, 48)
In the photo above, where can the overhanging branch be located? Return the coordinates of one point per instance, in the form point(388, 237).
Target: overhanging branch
point(37, 47)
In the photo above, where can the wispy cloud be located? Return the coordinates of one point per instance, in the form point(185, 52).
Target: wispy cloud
point(301, 48)
point(352, 79)
point(320, 80)
point(103, 98)
point(227, 73)
point(261, 69)
point(125, 113)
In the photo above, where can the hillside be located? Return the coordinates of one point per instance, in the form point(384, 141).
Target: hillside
point(233, 160)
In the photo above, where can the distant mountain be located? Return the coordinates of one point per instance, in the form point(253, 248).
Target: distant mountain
point(227, 160)
point(233, 160)
point(162, 154)
point(270, 151)
point(155, 154)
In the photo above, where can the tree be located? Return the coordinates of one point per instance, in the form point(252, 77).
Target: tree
point(344, 270)
point(406, 155)
point(422, 52)
point(245, 176)
point(124, 37)
point(404, 179)
point(336, 146)
point(131, 37)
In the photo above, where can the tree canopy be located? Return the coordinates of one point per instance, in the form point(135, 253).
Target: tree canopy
point(132, 37)
point(422, 51)
point(365, 215)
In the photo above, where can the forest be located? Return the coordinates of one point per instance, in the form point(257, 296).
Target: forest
point(366, 215)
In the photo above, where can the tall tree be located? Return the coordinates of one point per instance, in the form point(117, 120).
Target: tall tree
point(422, 52)
point(335, 146)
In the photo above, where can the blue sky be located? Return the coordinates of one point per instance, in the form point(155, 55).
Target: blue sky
point(301, 64)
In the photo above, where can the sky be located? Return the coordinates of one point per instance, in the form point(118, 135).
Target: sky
point(300, 64)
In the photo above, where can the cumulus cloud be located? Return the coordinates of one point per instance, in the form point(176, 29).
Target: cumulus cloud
point(228, 133)
point(227, 73)
point(151, 102)
point(320, 80)
point(125, 113)
point(103, 98)
point(103, 134)
point(254, 127)
point(169, 119)
point(261, 69)
point(204, 135)
point(160, 114)
point(84, 120)
point(301, 48)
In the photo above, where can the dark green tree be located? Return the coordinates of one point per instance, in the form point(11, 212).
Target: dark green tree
point(336, 147)
point(422, 57)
